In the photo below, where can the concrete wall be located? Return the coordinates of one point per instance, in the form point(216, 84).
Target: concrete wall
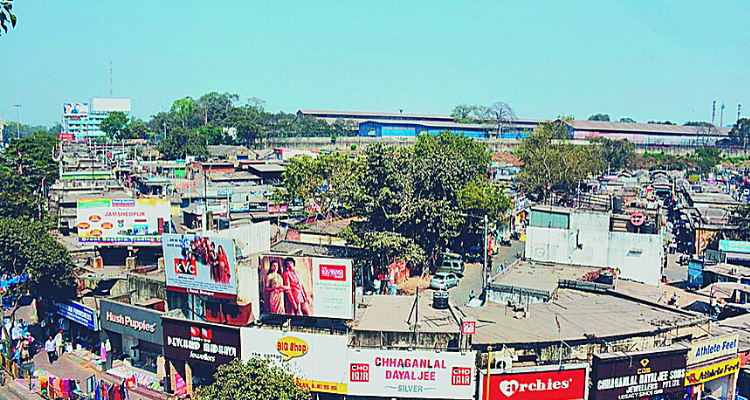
point(590, 243)
point(144, 288)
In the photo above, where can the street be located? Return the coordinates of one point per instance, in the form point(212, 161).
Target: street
point(472, 278)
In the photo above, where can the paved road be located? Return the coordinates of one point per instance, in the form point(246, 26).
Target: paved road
point(473, 274)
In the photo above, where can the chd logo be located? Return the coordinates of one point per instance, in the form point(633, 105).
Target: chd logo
point(332, 272)
point(291, 347)
point(509, 388)
point(460, 376)
point(359, 372)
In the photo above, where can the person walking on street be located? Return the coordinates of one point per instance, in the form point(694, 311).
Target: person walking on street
point(472, 296)
point(49, 347)
point(59, 343)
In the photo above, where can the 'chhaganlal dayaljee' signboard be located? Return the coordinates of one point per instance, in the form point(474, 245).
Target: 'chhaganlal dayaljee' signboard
point(623, 376)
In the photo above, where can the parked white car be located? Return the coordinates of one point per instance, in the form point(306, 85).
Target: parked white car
point(443, 280)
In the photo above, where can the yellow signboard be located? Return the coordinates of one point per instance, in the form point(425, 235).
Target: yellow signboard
point(323, 387)
point(702, 375)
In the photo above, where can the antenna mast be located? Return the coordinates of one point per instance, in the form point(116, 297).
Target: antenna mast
point(110, 78)
point(722, 114)
point(713, 114)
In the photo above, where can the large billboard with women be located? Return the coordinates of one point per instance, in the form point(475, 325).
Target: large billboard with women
point(306, 286)
point(200, 265)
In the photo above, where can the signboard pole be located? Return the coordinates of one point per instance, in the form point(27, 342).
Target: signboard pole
point(489, 363)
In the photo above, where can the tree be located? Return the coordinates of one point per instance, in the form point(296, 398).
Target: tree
point(618, 154)
point(740, 218)
point(462, 113)
point(554, 166)
point(6, 16)
point(134, 130)
point(181, 142)
point(187, 113)
point(599, 117)
point(248, 121)
point(28, 248)
point(627, 120)
point(502, 114)
point(698, 123)
point(740, 133)
point(707, 158)
point(661, 122)
point(215, 136)
point(215, 106)
point(257, 379)
point(484, 198)
point(114, 124)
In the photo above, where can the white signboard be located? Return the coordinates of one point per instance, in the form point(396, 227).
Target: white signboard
point(200, 265)
point(712, 348)
point(411, 374)
point(318, 361)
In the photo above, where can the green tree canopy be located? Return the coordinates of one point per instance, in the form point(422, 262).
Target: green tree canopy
point(617, 154)
point(551, 165)
point(6, 16)
point(661, 122)
point(114, 124)
point(707, 158)
point(699, 123)
point(599, 117)
point(628, 120)
point(257, 379)
point(181, 142)
point(740, 133)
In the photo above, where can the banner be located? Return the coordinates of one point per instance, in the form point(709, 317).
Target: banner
point(411, 374)
point(317, 360)
point(623, 376)
point(124, 222)
point(566, 382)
point(200, 342)
point(314, 287)
point(75, 108)
point(715, 347)
point(77, 313)
point(200, 265)
point(702, 375)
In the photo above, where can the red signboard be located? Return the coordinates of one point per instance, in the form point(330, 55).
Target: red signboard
point(558, 384)
point(468, 327)
point(637, 218)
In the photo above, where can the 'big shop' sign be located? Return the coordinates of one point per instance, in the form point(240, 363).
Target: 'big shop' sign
point(413, 374)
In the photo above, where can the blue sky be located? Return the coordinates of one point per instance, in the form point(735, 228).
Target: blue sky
point(642, 59)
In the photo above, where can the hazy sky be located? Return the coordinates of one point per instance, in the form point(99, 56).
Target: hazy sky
point(641, 59)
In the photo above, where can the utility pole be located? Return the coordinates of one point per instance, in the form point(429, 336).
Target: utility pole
point(486, 250)
point(18, 120)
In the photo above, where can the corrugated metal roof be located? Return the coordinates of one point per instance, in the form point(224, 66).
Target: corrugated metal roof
point(610, 126)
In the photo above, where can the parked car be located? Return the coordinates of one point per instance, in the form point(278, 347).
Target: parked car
point(452, 265)
point(443, 281)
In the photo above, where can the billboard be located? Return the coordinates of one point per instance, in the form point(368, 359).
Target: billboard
point(410, 374)
point(200, 342)
point(110, 105)
point(123, 221)
point(623, 376)
point(565, 382)
point(306, 286)
point(711, 372)
point(75, 109)
point(712, 348)
point(200, 265)
point(317, 360)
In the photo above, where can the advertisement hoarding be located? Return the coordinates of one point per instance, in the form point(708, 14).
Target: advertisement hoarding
point(554, 382)
point(308, 286)
point(705, 374)
point(623, 376)
point(711, 348)
point(123, 222)
point(317, 360)
point(77, 313)
point(195, 341)
point(200, 265)
point(75, 109)
point(410, 374)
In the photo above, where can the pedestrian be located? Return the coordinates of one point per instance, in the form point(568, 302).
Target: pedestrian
point(59, 343)
point(472, 296)
point(49, 347)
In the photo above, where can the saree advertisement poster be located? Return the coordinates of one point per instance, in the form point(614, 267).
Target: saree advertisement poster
point(306, 286)
point(200, 265)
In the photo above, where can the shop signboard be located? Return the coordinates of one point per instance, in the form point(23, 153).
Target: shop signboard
point(636, 375)
point(75, 109)
point(77, 313)
point(308, 286)
point(705, 374)
point(555, 382)
point(712, 348)
point(200, 265)
point(138, 322)
point(410, 374)
point(317, 360)
point(734, 246)
point(124, 222)
point(194, 341)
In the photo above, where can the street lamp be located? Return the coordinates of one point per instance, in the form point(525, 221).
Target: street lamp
point(18, 120)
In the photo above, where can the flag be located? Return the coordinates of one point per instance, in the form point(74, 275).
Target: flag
point(20, 169)
point(557, 322)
